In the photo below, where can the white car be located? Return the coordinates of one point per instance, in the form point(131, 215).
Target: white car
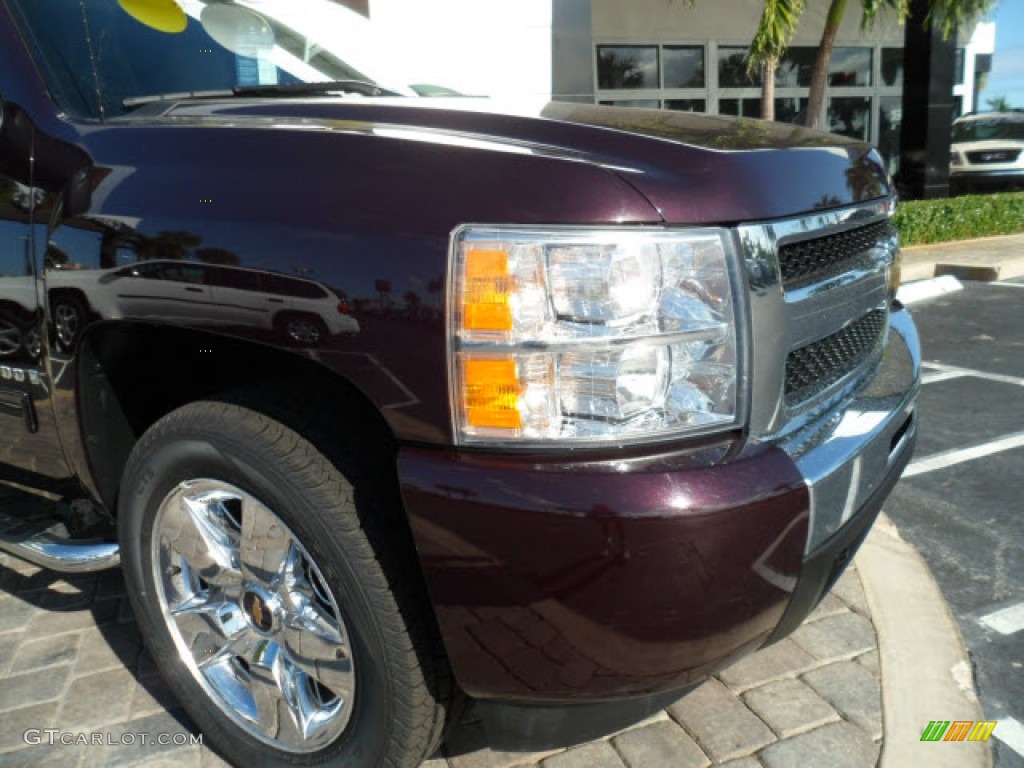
point(987, 151)
point(302, 312)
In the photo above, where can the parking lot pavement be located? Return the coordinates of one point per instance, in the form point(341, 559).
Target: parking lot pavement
point(71, 659)
point(960, 500)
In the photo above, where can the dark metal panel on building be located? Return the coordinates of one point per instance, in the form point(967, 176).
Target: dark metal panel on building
point(928, 75)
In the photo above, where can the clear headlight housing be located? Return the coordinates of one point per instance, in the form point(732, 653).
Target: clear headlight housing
point(592, 335)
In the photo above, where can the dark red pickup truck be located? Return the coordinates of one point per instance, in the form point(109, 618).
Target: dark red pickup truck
point(389, 404)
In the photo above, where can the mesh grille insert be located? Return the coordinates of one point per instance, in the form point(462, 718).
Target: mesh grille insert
point(816, 367)
point(812, 261)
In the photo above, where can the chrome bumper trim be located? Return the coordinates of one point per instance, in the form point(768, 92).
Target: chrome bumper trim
point(848, 453)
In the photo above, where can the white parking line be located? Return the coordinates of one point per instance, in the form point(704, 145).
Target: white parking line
point(931, 378)
point(1011, 733)
point(960, 455)
point(1006, 621)
point(1000, 377)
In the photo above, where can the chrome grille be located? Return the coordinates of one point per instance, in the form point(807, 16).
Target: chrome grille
point(816, 367)
point(811, 261)
point(993, 156)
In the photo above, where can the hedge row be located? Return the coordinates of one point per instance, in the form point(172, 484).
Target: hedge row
point(959, 218)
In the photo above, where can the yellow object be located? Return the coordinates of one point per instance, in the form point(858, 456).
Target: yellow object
point(490, 391)
point(487, 288)
point(161, 15)
point(895, 274)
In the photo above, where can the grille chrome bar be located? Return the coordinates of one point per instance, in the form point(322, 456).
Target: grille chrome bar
point(851, 250)
point(813, 261)
point(982, 157)
point(816, 367)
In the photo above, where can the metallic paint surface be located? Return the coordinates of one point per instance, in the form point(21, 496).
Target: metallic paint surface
point(596, 580)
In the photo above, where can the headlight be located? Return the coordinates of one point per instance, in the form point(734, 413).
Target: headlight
point(955, 158)
point(591, 336)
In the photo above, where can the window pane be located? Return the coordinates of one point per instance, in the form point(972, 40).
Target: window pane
point(790, 110)
point(685, 105)
point(958, 67)
point(850, 67)
point(620, 66)
point(892, 66)
point(850, 117)
point(684, 66)
point(890, 118)
point(732, 69)
point(795, 68)
point(740, 107)
point(641, 103)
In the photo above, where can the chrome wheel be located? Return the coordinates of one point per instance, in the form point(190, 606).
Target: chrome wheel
point(10, 338)
point(303, 330)
point(252, 617)
point(33, 343)
point(67, 321)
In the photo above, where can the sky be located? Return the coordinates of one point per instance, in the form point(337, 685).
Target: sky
point(1007, 76)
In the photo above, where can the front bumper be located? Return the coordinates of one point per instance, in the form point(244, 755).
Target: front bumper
point(625, 577)
point(991, 178)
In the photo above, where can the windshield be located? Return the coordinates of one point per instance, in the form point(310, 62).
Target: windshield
point(143, 48)
point(989, 128)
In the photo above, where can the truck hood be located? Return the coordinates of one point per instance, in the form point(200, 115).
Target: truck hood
point(692, 168)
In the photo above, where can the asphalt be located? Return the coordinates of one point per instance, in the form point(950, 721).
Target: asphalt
point(855, 686)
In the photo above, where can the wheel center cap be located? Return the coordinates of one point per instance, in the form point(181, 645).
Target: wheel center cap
point(258, 611)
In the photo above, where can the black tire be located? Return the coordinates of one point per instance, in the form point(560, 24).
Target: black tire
point(403, 685)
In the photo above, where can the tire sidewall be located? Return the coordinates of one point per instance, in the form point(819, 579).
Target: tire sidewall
point(208, 452)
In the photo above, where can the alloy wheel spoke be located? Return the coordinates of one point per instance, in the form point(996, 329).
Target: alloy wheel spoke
point(211, 516)
point(206, 627)
point(268, 676)
point(305, 707)
point(324, 661)
point(266, 546)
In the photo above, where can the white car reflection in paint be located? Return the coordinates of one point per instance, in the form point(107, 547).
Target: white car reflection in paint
point(300, 311)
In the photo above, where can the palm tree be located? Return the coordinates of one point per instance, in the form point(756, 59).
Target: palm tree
point(383, 287)
point(949, 15)
point(434, 287)
point(998, 104)
point(778, 24)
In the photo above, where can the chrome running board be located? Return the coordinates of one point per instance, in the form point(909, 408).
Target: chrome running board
point(37, 539)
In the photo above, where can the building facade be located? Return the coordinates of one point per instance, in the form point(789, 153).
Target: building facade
point(665, 54)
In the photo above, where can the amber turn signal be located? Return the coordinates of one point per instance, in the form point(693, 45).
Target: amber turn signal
point(486, 305)
point(491, 390)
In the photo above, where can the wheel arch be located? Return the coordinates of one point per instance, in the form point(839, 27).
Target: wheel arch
point(131, 374)
point(67, 290)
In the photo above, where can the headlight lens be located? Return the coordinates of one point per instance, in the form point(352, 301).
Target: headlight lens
point(591, 335)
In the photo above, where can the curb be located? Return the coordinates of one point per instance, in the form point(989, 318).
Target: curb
point(919, 290)
point(925, 670)
point(989, 273)
point(984, 259)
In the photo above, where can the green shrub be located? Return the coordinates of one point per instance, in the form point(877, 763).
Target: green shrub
point(959, 218)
